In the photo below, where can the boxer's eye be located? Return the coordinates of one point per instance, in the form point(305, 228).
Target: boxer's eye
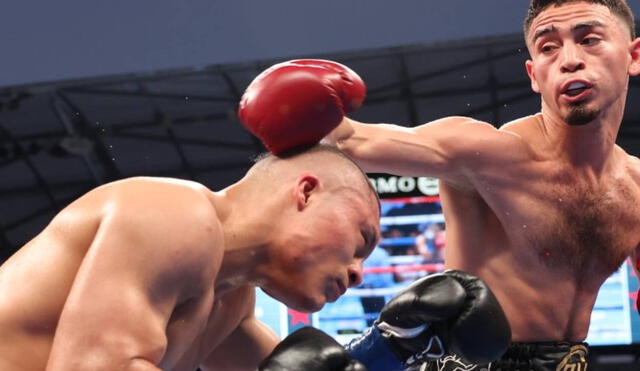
point(590, 41)
point(547, 48)
point(369, 243)
point(362, 248)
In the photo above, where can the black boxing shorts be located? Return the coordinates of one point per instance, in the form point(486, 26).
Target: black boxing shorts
point(545, 356)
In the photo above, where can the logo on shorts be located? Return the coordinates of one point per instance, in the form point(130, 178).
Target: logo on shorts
point(454, 363)
point(575, 360)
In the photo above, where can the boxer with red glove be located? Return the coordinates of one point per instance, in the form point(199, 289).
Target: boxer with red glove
point(297, 103)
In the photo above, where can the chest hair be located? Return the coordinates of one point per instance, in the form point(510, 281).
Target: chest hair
point(587, 230)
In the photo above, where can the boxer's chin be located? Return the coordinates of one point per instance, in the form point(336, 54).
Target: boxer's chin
point(581, 115)
point(307, 304)
point(301, 303)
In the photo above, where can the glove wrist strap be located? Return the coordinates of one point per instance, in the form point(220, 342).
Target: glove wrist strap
point(372, 350)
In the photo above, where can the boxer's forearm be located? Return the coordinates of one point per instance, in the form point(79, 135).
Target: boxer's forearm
point(104, 352)
point(442, 149)
point(384, 148)
point(341, 134)
point(364, 143)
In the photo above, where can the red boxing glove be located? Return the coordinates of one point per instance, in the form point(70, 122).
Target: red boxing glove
point(297, 103)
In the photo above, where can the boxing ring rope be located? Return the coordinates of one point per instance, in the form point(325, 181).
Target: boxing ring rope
point(383, 291)
point(430, 268)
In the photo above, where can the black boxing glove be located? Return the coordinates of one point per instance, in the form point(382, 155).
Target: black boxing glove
point(309, 349)
point(450, 312)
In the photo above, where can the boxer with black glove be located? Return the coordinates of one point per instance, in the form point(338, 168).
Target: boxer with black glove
point(451, 312)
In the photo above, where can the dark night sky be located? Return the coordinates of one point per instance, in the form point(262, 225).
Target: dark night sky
point(60, 39)
point(52, 40)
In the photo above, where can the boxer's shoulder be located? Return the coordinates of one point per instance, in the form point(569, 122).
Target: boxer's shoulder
point(633, 167)
point(187, 200)
point(522, 128)
point(626, 174)
point(174, 214)
point(151, 185)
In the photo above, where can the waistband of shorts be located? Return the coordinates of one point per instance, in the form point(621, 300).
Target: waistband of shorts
point(552, 355)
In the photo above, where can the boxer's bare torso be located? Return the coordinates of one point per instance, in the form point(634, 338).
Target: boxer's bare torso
point(543, 217)
point(543, 232)
point(545, 208)
point(35, 283)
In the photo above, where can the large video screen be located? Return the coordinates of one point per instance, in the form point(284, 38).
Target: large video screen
point(412, 246)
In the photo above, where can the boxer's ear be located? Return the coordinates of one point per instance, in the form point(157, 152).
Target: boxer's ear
point(634, 49)
point(306, 185)
point(534, 82)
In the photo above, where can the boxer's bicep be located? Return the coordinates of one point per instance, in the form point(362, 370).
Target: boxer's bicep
point(121, 298)
point(106, 334)
point(244, 349)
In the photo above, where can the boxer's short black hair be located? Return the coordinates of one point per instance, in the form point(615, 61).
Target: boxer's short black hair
point(617, 7)
point(320, 148)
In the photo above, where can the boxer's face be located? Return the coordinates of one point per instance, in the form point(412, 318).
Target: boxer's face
point(581, 58)
point(324, 257)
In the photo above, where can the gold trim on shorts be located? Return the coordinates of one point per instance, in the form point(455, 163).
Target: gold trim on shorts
point(575, 360)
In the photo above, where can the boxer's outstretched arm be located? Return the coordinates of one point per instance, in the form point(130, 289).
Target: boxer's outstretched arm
point(132, 277)
point(450, 148)
point(297, 103)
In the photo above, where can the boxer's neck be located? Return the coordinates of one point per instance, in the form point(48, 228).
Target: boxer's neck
point(250, 222)
point(590, 147)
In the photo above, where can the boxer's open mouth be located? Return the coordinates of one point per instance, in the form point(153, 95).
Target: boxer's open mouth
point(576, 88)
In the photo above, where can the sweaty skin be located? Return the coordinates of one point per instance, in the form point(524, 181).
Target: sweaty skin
point(542, 211)
point(157, 273)
point(99, 253)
